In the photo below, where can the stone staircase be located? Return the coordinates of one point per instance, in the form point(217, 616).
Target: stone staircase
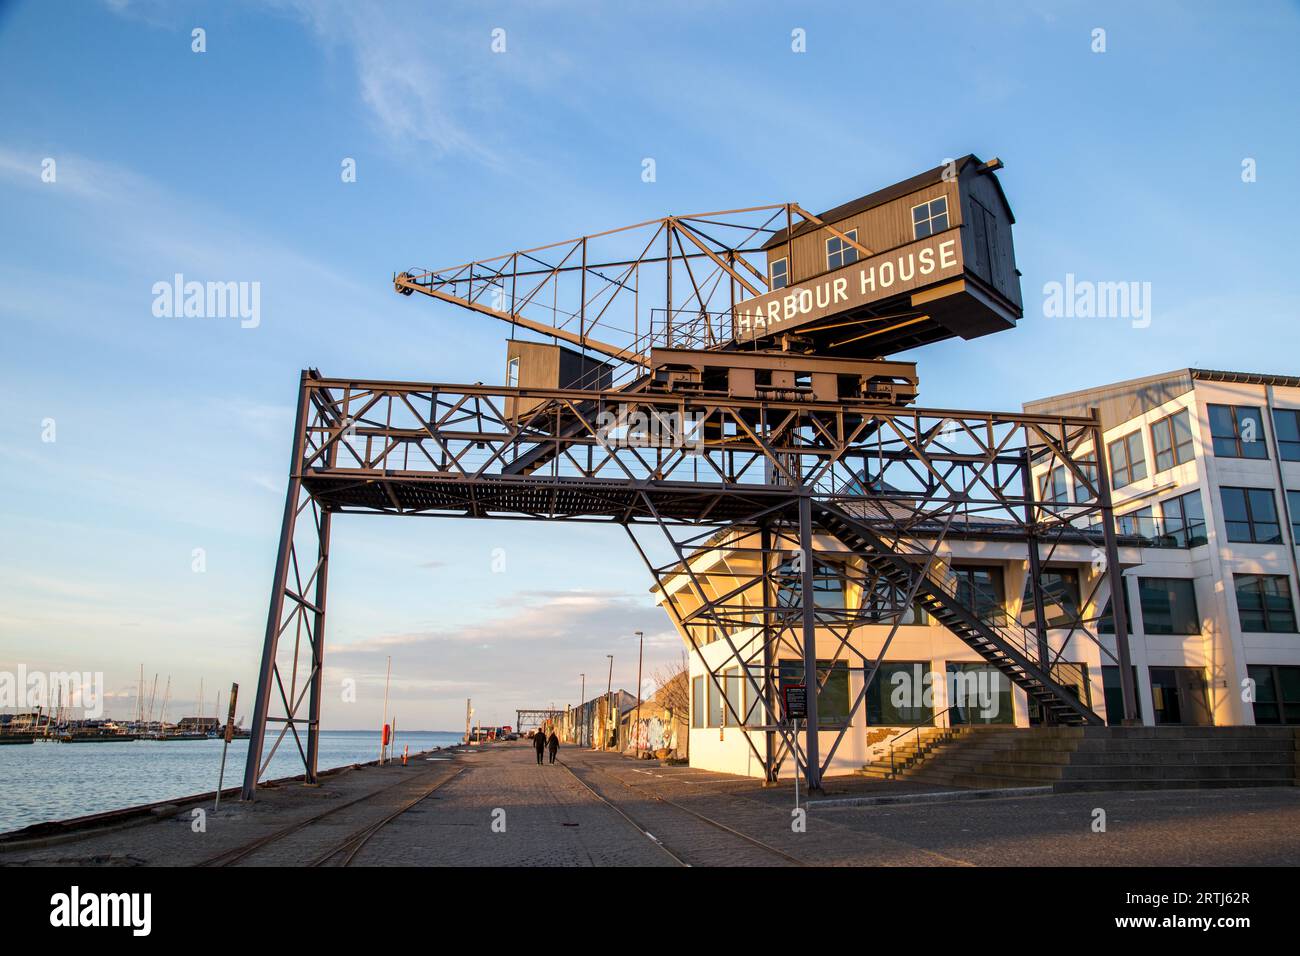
point(1099, 758)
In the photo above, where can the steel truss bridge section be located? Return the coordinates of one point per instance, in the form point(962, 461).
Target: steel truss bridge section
point(529, 719)
point(888, 485)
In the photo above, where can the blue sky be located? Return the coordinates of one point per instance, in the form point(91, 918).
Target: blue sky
point(173, 434)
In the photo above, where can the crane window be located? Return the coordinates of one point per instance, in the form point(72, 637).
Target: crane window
point(930, 217)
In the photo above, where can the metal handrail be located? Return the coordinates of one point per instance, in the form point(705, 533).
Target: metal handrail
point(1021, 637)
point(916, 728)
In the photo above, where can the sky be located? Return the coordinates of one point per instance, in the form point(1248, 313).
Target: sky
point(1169, 158)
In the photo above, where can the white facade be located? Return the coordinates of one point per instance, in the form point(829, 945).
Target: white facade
point(1223, 649)
point(718, 742)
point(1201, 673)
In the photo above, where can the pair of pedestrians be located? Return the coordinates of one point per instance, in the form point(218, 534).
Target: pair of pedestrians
point(543, 743)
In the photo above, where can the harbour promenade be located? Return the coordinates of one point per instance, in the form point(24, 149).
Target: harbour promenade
point(493, 806)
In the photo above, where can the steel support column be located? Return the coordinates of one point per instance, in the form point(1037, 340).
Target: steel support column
point(1119, 615)
point(266, 673)
point(812, 758)
point(318, 651)
point(770, 707)
point(1035, 567)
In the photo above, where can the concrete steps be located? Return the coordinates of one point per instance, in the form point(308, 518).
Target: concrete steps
point(1107, 758)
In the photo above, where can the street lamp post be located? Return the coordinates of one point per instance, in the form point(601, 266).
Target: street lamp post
point(609, 703)
point(636, 727)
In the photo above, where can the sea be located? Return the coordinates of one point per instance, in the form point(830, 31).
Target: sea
point(54, 781)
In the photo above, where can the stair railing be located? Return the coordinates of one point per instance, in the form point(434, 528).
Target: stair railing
point(932, 721)
point(1011, 630)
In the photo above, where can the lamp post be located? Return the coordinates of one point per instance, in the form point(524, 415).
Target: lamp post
point(609, 704)
point(636, 727)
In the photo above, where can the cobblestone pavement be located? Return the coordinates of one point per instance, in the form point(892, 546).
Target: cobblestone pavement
point(1259, 826)
point(501, 809)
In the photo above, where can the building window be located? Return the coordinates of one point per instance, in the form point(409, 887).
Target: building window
point(1237, 431)
point(1251, 515)
point(1060, 598)
point(756, 714)
point(930, 217)
point(980, 590)
point(1113, 693)
point(1277, 694)
point(735, 696)
point(1087, 465)
point(1106, 623)
point(884, 602)
point(1293, 505)
point(1141, 523)
point(1171, 440)
point(1127, 463)
point(716, 708)
point(1054, 487)
point(839, 253)
point(1286, 421)
point(780, 274)
point(1264, 603)
point(828, 586)
point(1184, 521)
point(1168, 606)
point(833, 698)
point(697, 701)
point(978, 694)
point(901, 695)
point(512, 373)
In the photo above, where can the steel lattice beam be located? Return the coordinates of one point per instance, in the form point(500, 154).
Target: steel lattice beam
point(744, 468)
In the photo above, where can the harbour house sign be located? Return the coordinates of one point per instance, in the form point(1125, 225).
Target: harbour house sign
point(908, 267)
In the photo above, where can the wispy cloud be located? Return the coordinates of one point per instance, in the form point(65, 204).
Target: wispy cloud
point(530, 655)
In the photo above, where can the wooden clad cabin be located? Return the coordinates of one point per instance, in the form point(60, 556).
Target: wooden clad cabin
point(545, 365)
point(938, 263)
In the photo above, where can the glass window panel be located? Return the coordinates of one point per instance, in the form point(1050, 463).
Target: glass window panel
point(697, 702)
point(833, 699)
point(1250, 426)
point(1264, 603)
point(715, 703)
point(731, 681)
point(1136, 460)
point(1060, 598)
point(900, 695)
point(978, 694)
point(1168, 606)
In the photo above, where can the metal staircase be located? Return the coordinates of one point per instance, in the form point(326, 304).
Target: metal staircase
point(1011, 648)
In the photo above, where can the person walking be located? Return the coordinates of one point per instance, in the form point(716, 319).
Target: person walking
point(554, 744)
point(539, 744)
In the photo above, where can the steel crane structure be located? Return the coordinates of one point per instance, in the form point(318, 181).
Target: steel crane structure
point(763, 471)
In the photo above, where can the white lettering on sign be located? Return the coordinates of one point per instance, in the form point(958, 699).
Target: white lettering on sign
point(917, 264)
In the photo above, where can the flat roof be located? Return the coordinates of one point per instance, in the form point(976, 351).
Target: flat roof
point(1119, 402)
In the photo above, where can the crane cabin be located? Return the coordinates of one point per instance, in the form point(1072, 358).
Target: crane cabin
point(926, 259)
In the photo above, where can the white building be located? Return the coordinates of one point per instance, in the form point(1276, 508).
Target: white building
point(1205, 473)
point(1205, 465)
